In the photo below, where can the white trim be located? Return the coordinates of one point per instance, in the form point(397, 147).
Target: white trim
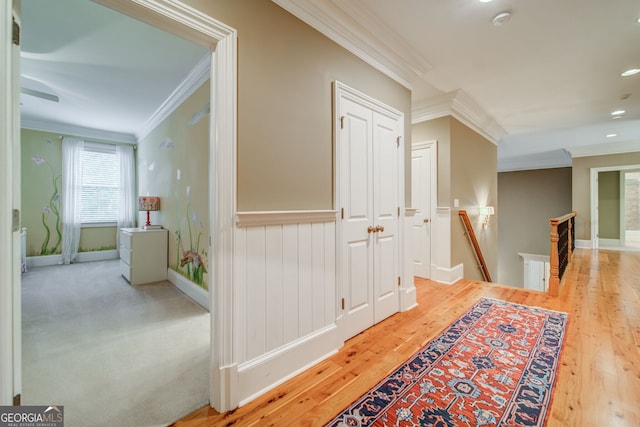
point(445, 275)
point(263, 218)
point(79, 131)
point(593, 202)
point(196, 78)
point(187, 22)
point(6, 201)
point(48, 260)
point(609, 243)
point(584, 244)
point(363, 34)
point(463, 108)
point(189, 288)
point(256, 377)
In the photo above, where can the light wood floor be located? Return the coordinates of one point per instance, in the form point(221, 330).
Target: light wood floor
point(598, 382)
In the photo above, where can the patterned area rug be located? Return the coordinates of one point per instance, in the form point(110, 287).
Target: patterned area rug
point(495, 365)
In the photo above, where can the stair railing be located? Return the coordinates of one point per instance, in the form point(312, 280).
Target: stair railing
point(562, 247)
point(482, 265)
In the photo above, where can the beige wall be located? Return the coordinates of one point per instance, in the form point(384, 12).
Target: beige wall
point(581, 194)
point(609, 205)
point(467, 171)
point(474, 182)
point(285, 70)
point(526, 204)
point(439, 130)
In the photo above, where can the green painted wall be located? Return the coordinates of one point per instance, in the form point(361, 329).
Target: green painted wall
point(173, 163)
point(609, 205)
point(41, 196)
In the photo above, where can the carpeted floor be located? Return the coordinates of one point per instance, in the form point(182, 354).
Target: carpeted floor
point(111, 353)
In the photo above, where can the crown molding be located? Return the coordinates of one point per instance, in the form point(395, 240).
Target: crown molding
point(349, 25)
point(198, 75)
point(461, 106)
point(79, 131)
point(604, 149)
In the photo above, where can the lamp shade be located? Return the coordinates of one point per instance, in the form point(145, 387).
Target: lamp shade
point(148, 203)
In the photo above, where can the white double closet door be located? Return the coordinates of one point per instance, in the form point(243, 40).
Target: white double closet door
point(368, 146)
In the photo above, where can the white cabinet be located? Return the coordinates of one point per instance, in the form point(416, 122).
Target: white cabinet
point(143, 255)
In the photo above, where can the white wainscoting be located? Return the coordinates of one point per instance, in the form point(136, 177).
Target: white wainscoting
point(441, 269)
point(285, 296)
point(408, 297)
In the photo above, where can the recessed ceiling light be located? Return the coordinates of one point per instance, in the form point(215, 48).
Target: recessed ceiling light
point(611, 135)
point(485, 1)
point(630, 72)
point(618, 112)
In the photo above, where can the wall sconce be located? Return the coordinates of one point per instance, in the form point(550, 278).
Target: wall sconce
point(148, 203)
point(485, 213)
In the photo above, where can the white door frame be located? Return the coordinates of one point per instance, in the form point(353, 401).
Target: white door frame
point(10, 317)
point(180, 19)
point(433, 163)
point(594, 198)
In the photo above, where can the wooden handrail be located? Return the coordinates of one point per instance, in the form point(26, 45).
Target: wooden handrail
point(474, 243)
point(558, 264)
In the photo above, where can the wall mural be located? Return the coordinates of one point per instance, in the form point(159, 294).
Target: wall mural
point(51, 211)
point(174, 164)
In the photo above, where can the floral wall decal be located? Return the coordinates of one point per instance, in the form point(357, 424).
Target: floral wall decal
point(51, 209)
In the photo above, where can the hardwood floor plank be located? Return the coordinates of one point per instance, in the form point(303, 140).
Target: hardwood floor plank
point(598, 382)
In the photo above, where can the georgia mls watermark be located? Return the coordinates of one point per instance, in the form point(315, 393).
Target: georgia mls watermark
point(31, 416)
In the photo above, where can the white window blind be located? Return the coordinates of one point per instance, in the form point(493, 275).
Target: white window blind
point(100, 183)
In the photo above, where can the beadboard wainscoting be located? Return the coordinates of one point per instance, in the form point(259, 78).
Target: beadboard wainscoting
point(285, 294)
point(441, 269)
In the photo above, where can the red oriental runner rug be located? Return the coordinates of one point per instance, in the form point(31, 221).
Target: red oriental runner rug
point(494, 366)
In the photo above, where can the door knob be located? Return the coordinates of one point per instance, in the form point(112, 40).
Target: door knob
point(371, 229)
point(379, 228)
point(426, 220)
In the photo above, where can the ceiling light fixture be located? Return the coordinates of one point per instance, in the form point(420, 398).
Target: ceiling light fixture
point(501, 18)
point(618, 112)
point(611, 135)
point(485, 1)
point(630, 72)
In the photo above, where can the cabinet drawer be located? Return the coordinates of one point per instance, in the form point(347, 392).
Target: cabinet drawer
point(125, 240)
point(125, 270)
point(125, 255)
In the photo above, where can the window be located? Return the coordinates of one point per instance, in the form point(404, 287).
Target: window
point(100, 184)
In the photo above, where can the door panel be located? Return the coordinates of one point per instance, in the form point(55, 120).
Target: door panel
point(356, 195)
point(421, 197)
point(369, 195)
point(386, 204)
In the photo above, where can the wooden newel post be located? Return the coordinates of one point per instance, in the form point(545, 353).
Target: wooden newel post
point(554, 262)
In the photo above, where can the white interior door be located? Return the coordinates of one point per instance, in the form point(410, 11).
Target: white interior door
point(386, 202)
point(356, 193)
point(423, 200)
point(369, 195)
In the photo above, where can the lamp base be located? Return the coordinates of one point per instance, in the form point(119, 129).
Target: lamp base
point(148, 218)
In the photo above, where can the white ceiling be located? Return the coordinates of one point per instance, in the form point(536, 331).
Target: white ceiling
point(541, 86)
point(542, 83)
point(111, 73)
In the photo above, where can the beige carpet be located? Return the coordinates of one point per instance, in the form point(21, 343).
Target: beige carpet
point(112, 354)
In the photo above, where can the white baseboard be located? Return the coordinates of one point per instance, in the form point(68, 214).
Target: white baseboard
point(43, 260)
point(189, 288)
point(97, 255)
point(609, 243)
point(448, 276)
point(584, 244)
point(47, 260)
point(260, 375)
